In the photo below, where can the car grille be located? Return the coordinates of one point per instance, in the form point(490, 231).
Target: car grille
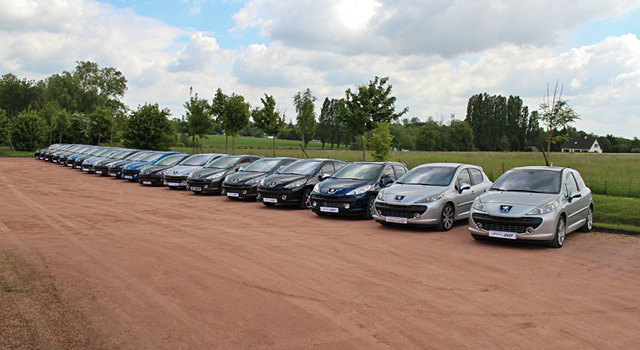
point(333, 201)
point(170, 178)
point(237, 187)
point(506, 224)
point(274, 192)
point(400, 211)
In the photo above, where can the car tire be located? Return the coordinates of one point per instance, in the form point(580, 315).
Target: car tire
point(370, 209)
point(305, 198)
point(588, 225)
point(478, 237)
point(268, 204)
point(561, 232)
point(319, 213)
point(446, 218)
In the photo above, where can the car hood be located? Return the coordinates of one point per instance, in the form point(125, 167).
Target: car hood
point(519, 202)
point(406, 194)
point(340, 187)
point(201, 173)
point(281, 180)
point(135, 165)
point(244, 176)
point(155, 168)
point(119, 164)
point(182, 170)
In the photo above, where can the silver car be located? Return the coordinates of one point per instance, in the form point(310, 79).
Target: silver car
point(431, 194)
point(533, 203)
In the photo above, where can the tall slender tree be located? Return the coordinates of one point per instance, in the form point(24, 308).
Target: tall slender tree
point(556, 114)
point(235, 117)
point(306, 115)
point(199, 120)
point(268, 119)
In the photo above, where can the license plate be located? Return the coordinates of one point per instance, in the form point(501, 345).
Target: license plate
point(113, 174)
point(127, 176)
point(197, 189)
point(397, 220)
point(500, 234)
point(78, 167)
point(85, 169)
point(98, 171)
point(270, 200)
point(173, 184)
point(329, 209)
point(146, 182)
point(55, 161)
point(233, 194)
point(69, 164)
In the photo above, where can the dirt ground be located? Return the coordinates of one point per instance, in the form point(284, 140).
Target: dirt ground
point(90, 262)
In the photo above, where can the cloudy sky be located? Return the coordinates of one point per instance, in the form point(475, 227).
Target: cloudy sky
point(437, 53)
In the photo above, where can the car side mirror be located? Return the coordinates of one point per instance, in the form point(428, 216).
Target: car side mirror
point(323, 176)
point(573, 195)
point(464, 187)
point(239, 169)
point(386, 181)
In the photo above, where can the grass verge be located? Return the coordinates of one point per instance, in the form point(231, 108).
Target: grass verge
point(616, 212)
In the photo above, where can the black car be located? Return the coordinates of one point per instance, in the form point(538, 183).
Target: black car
point(176, 177)
point(244, 183)
point(352, 190)
point(114, 168)
point(293, 184)
point(153, 174)
point(209, 178)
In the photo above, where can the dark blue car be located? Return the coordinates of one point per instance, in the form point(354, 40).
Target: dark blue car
point(352, 190)
point(132, 170)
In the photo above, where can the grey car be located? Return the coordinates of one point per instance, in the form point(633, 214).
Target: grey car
point(540, 204)
point(434, 194)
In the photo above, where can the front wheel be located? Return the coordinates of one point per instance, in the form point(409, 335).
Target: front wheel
point(561, 231)
point(588, 224)
point(305, 202)
point(370, 210)
point(446, 218)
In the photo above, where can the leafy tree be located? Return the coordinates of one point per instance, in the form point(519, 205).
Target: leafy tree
point(28, 131)
point(556, 114)
point(218, 106)
point(367, 106)
point(56, 120)
point(306, 115)
point(460, 136)
point(100, 124)
point(235, 117)
point(199, 121)
point(107, 83)
point(268, 119)
point(329, 128)
point(16, 95)
point(380, 142)
point(4, 127)
point(149, 128)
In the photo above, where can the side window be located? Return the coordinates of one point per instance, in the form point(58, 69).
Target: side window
point(570, 183)
point(243, 163)
point(463, 178)
point(476, 176)
point(327, 169)
point(387, 172)
point(338, 166)
point(399, 171)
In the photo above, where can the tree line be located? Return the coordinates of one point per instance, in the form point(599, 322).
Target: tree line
point(85, 106)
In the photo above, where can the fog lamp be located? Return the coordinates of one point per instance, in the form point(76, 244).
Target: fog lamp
point(416, 216)
point(284, 197)
point(529, 230)
point(244, 191)
point(347, 206)
point(314, 203)
point(479, 225)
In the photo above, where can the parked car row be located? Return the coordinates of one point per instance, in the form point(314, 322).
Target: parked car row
point(537, 204)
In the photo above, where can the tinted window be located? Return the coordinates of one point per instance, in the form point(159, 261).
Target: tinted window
point(464, 178)
point(302, 168)
point(197, 159)
point(328, 169)
point(430, 175)
point(399, 171)
point(223, 163)
point(387, 172)
point(476, 176)
point(170, 160)
point(358, 171)
point(537, 181)
point(262, 165)
point(570, 184)
point(152, 157)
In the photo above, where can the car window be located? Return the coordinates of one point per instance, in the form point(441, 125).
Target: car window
point(463, 177)
point(387, 173)
point(399, 171)
point(570, 183)
point(244, 163)
point(327, 169)
point(476, 176)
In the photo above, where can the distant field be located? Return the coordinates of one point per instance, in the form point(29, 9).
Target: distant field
point(606, 174)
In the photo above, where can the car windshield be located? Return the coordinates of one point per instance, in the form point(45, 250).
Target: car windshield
point(223, 163)
point(535, 181)
point(152, 157)
point(262, 165)
point(95, 151)
point(301, 168)
point(197, 159)
point(358, 171)
point(138, 156)
point(430, 176)
point(120, 155)
point(171, 160)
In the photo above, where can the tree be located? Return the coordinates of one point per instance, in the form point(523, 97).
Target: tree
point(367, 106)
point(28, 131)
point(235, 117)
point(199, 121)
point(16, 95)
point(306, 118)
point(99, 124)
point(460, 136)
point(218, 105)
point(4, 127)
point(380, 142)
point(268, 119)
point(329, 128)
point(56, 120)
point(555, 114)
point(149, 128)
point(107, 83)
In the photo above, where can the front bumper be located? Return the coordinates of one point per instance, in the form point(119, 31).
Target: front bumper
point(150, 180)
point(131, 175)
point(240, 191)
point(342, 205)
point(540, 228)
point(280, 195)
point(176, 181)
point(205, 186)
point(415, 214)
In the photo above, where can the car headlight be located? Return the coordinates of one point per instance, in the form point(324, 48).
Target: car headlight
point(431, 198)
point(477, 205)
point(143, 167)
point(359, 190)
point(380, 196)
point(254, 181)
point(214, 176)
point(544, 209)
point(316, 188)
point(296, 184)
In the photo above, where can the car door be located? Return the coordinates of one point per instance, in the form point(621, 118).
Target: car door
point(465, 198)
point(574, 207)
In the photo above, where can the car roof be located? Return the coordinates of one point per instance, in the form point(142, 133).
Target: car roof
point(448, 165)
point(540, 168)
